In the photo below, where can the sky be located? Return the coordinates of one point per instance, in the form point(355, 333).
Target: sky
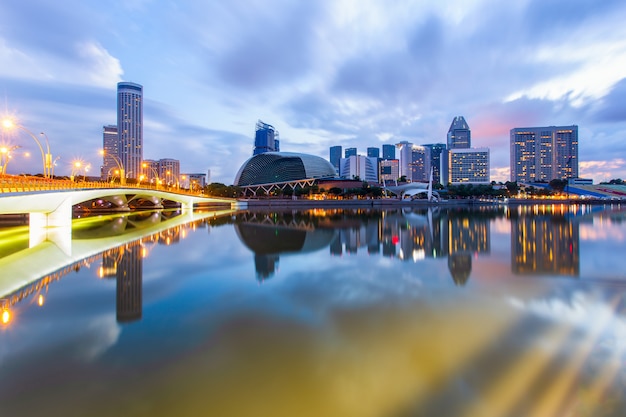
point(355, 73)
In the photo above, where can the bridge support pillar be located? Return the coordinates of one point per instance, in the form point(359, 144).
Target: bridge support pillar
point(55, 226)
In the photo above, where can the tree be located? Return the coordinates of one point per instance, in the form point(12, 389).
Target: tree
point(558, 185)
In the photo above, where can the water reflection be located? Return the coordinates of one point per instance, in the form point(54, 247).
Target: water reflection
point(371, 313)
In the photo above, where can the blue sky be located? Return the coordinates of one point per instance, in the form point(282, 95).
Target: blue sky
point(355, 73)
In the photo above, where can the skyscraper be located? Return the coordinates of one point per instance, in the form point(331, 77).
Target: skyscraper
point(335, 156)
point(459, 134)
point(130, 127)
point(405, 158)
point(544, 153)
point(350, 152)
point(111, 150)
point(436, 152)
point(265, 139)
point(373, 152)
point(420, 163)
point(389, 151)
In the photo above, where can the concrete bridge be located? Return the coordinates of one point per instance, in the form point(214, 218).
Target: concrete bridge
point(53, 208)
point(29, 265)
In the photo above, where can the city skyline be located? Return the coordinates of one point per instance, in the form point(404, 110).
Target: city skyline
point(389, 80)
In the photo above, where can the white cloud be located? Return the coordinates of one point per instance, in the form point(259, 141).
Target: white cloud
point(102, 69)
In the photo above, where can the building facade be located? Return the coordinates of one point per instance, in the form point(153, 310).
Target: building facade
point(389, 170)
point(373, 152)
point(420, 163)
point(265, 139)
point(335, 156)
point(350, 152)
point(110, 147)
point(169, 171)
point(358, 166)
point(404, 158)
point(130, 127)
point(459, 134)
point(436, 152)
point(544, 153)
point(469, 166)
point(389, 151)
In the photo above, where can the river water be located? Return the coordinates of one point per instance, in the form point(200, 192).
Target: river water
point(500, 311)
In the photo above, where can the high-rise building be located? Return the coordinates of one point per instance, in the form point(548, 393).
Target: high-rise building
point(265, 139)
point(373, 152)
point(363, 167)
point(544, 153)
point(459, 134)
point(335, 156)
point(469, 166)
point(130, 127)
point(405, 158)
point(110, 146)
point(436, 152)
point(389, 151)
point(350, 152)
point(420, 163)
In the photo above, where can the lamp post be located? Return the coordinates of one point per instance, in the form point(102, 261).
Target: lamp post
point(46, 157)
point(119, 164)
point(5, 155)
point(156, 174)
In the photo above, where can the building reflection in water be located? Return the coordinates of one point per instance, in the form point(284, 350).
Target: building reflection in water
point(544, 242)
point(408, 235)
point(270, 234)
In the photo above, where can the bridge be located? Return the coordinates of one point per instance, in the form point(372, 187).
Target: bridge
point(49, 203)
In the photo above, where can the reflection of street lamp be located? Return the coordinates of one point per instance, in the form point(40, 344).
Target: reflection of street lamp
point(118, 162)
point(46, 157)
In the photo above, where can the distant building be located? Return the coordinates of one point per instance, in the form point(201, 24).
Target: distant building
point(265, 139)
point(469, 166)
point(193, 181)
point(363, 167)
point(130, 127)
point(405, 158)
point(389, 151)
point(335, 156)
point(436, 152)
point(373, 152)
point(350, 152)
point(389, 170)
point(420, 163)
point(149, 171)
point(169, 171)
point(544, 153)
point(459, 134)
point(110, 146)
point(279, 167)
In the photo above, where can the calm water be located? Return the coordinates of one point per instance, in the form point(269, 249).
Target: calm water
point(501, 312)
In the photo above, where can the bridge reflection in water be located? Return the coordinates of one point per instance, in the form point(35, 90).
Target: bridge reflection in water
point(117, 242)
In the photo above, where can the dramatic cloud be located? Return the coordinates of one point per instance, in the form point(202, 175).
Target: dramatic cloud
point(350, 73)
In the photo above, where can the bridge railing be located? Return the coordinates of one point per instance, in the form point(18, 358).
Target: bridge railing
point(17, 184)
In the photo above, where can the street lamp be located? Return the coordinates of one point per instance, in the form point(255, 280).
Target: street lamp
point(5, 156)
point(156, 174)
point(118, 162)
point(46, 157)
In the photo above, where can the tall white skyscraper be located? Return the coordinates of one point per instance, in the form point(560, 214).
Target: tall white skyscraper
point(130, 127)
